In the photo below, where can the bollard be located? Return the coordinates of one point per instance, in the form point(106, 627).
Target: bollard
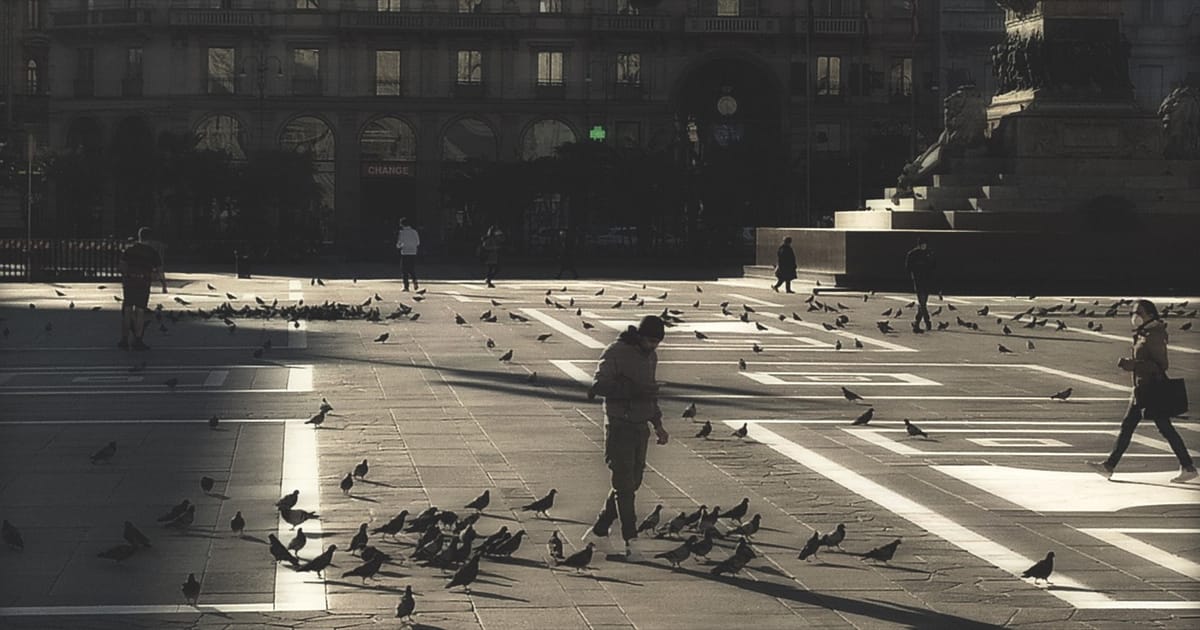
point(241, 265)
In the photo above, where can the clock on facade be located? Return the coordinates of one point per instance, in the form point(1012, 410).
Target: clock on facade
point(727, 105)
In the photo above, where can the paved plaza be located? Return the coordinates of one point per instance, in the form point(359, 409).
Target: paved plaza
point(998, 482)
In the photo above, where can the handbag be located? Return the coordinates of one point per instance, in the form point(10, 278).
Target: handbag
point(1165, 398)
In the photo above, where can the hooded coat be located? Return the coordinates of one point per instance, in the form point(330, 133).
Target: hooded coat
point(626, 380)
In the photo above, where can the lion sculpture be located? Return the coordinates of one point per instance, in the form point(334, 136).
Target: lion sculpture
point(964, 120)
point(1180, 115)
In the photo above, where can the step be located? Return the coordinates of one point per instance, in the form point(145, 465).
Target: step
point(901, 205)
point(882, 220)
point(1137, 195)
point(1174, 181)
point(936, 192)
point(964, 179)
point(1070, 205)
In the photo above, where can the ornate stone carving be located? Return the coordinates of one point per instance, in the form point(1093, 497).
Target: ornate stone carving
point(1180, 114)
point(1068, 66)
point(964, 120)
point(1020, 7)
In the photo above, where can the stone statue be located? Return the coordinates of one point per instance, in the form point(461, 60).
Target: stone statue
point(1020, 7)
point(964, 120)
point(1180, 114)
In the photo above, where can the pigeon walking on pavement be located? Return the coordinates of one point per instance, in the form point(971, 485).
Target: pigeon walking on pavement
point(366, 570)
point(835, 537)
point(678, 554)
point(554, 546)
point(347, 483)
point(392, 527)
point(191, 589)
point(319, 563)
point(404, 609)
point(690, 411)
point(1063, 395)
point(580, 559)
point(296, 517)
point(105, 454)
point(480, 502)
point(811, 547)
point(466, 573)
point(864, 418)
point(705, 430)
point(134, 536)
point(281, 553)
point(541, 505)
point(851, 396)
point(288, 501)
point(882, 554)
point(238, 524)
point(361, 469)
point(1041, 570)
point(913, 430)
point(742, 432)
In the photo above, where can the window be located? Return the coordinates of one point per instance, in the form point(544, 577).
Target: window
point(550, 68)
point(306, 71)
point(549, 6)
point(220, 71)
point(624, 8)
point(900, 77)
point(470, 6)
point(133, 63)
point(387, 73)
point(33, 14)
point(729, 8)
point(221, 133)
point(31, 77)
point(1152, 11)
point(470, 67)
point(629, 68)
point(837, 8)
point(827, 137)
point(388, 5)
point(308, 4)
point(829, 76)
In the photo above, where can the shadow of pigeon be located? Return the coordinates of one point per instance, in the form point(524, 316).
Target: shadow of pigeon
point(358, 497)
point(254, 539)
point(218, 495)
point(368, 586)
point(487, 595)
point(1077, 589)
point(376, 483)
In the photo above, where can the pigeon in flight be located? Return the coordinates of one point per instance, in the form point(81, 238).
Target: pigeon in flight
point(864, 418)
point(320, 563)
point(541, 505)
point(690, 411)
point(134, 536)
point(507, 356)
point(680, 553)
point(580, 559)
point(191, 589)
point(1063, 395)
point(851, 396)
point(705, 430)
point(742, 432)
point(913, 430)
point(884, 553)
point(480, 502)
point(361, 469)
point(11, 536)
point(105, 454)
point(811, 547)
point(1041, 570)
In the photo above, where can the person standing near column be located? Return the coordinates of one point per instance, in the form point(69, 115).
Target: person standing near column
point(407, 243)
point(919, 263)
point(1148, 363)
point(626, 380)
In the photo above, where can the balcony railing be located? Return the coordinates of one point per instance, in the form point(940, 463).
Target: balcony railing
point(830, 25)
point(100, 18)
point(630, 23)
point(412, 21)
point(626, 91)
point(218, 18)
point(389, 88)
point(972, 22)
point(222, 86)
point(83, 88)
point(733, 25)
point(306, 86)
point(470, 90)
point(551, 91)
point(131, 86)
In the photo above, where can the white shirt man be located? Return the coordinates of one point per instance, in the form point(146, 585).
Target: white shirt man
point(407, 243)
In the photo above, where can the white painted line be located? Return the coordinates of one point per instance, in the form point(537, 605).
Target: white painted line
point(1084, 330)
point(1079, 377)
point(160, 421)
point(157, 346)
point(1121, 540)
point(159, 390)
point(872, 436)
point(585, 340)
point(165, 609)
point(867, 340)
point(876, 437)
point(935, 523)
point(1157, 530)
point(172, 369)
point(750, 300)
point(459, 297)
point(873, 398)
point(1055, 423)
point(863, 379)
point(216, 378)
point(572, 370)
point(1076, 492)
point(300, 378)
point(300, 467)
point(107, 380)
point(1019, 442)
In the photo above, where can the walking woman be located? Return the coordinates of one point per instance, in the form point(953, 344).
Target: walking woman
point(785, 266)
point(1148, 364)
point(489, 252)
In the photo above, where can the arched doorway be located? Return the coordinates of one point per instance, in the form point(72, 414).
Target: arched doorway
point(221, 132)
point(314, 137)
point(469, 162)
point(388, 156)
point(729, 126)
point(543, 137)
point(79, 177)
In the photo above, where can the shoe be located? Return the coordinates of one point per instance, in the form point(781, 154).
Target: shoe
point(633, 551)
point(1105, 470)
point(917, 329)
point(775, 289)
point(138, 344)
point(1185, 476)
point(123, 344)
point(790, 291)
point(491, 286)
point(404, 289)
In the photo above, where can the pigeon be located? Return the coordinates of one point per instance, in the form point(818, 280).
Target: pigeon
point(705, 430)
point(458, 319)
point(466, 573)
point(490, 344)
point(297, 517)
point(943, 325)
point(695, 517)
point(742, 432)
point(541, 505)
point(699, 335)
point(392, 527)
point(983, 311)
point(206, 484)
point(680, 553)
point(507, 547)
point(675, 525)
point(600, 292)
point(617, 304)
point(760, 326)
point(367, 569)
point(117, 553)
point(361, 469)
point(325, 406)
point(319, 563)
point(11, 536)
point(480, 502)
point(730, 565)
point(554, 546)
point(837, 345)
point(185, 520)
point(507, 356)
point(382, 338)
point(864, 418)
point(237, 524)
point(532, 377)
point(851, 396)
point(1002, 349)
point(191, 589)
point(580, 559)
point(288, 501)
point(360, 539)
point(858, 344)
point(407, 604)
point(1186, 326)
point(741, 364)
point(749, 528)
point(105, 454)
point(588, 325)
point(884, 553)
point(738, 511)
point(1029, 345)
point(913, 430)
point(834, 538)
point(690, 411)
point(347, 483)
point(756, 348)
point(1063, 395)
point(887, 313)
point(650, 523)
point(134, 536)
point(544, 336)
point(317, 419)
point(811, 547)
point(1042, 569)
point(884, 327)
point(175, 512)
point(517, 318)
point(1006, 330)
point(213, 422)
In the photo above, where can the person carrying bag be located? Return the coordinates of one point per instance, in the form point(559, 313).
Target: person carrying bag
point(1155, 396)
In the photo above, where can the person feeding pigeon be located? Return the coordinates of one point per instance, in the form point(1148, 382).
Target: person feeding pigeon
point(1148, 365)
point(625, 378)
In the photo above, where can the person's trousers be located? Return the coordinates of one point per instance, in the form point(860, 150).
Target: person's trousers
point(1132, 417)
point(922, 291)
point(408, 270)
point(491, 272)
point(625, 453)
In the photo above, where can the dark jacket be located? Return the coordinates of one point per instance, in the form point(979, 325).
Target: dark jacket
point(919, 264)
point(785, 266)
point(1149, 352)
point(625, 378)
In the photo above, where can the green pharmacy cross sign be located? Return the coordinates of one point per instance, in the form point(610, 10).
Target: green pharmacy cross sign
point(597, 133)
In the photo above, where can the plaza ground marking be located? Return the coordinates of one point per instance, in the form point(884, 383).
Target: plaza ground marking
point(216, 378)
point(875, 436)
point(1054, 491)
point(165, 609)
point(159, 421)
point(1018, 442)
point(297, 335)
point(557, 325)
point(865, 379)
point(870, 341)
point(749, 300)
point(1120, 538)
point(293, 589)
point(300, 378)
point(1080, 596)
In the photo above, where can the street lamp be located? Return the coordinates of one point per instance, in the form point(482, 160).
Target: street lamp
point(260, 65)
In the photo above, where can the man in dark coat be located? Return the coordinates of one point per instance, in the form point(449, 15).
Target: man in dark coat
point(140, 263)
point(785, 266)
point(919, 263)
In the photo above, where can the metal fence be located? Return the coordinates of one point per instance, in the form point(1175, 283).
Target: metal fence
point(45, 260)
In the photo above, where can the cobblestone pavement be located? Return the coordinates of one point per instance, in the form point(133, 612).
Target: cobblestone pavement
point(998, 482)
